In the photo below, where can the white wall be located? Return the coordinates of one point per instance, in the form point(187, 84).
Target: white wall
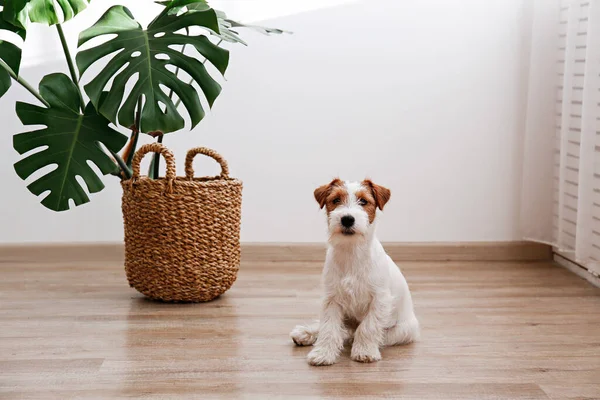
point(425, 97)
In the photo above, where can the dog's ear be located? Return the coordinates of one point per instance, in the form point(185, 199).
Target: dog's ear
point(322, 192)
point(381, 194)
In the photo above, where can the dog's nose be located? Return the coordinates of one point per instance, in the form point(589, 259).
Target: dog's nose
point(347, 221)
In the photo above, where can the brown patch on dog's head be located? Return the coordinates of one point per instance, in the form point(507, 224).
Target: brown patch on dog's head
point(366, 200)
point(331, 195)
point(336, 197)
point(380, 194)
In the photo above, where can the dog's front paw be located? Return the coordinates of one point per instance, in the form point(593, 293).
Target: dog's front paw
point(321, 356)
point(303, 335)
point(365, 354)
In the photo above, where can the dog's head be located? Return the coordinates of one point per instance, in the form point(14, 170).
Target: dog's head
point(351, 206)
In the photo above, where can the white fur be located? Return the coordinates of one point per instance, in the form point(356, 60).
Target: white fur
point(366, 301)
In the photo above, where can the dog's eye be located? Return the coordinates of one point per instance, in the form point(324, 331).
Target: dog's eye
point(336, 200)
point(362, 202)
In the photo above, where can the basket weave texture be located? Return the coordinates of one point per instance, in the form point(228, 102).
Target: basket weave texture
point(182, 234)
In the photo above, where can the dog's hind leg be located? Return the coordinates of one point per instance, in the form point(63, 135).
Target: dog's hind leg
point(402, 333)
point(305, 335)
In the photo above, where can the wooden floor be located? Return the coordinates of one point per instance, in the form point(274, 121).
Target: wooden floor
point(490, 331)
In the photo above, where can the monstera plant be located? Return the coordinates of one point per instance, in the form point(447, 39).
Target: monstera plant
point(138, 86)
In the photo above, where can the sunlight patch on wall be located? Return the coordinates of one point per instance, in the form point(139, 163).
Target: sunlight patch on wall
point(43, 45)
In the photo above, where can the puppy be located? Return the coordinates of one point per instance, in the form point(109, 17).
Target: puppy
point(366, 301)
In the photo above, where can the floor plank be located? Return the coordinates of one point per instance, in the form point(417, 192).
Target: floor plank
point(491, 330)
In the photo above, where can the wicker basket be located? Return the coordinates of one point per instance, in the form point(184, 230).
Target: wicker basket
point(182, 235)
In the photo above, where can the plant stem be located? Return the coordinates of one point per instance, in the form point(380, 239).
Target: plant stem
point(126, 170)
point(135, 135)
point(63, 42)
point(135, 132)
point(156, 160)
point(138, 115)
point(23, 83)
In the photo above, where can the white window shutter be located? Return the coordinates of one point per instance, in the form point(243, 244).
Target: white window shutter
point(577, 134)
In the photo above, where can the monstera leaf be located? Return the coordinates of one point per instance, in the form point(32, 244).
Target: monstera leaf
point(20, 12)
point(10, 56)
point(260, 29)
point(72, 140)
point(176, 5)
point(229, 35)
point(146, 55)
point(226, 33)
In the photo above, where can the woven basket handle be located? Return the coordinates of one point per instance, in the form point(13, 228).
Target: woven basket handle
point(189, 169)
point(154, 148)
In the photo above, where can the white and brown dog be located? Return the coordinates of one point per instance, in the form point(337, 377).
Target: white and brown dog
point(366, 301)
